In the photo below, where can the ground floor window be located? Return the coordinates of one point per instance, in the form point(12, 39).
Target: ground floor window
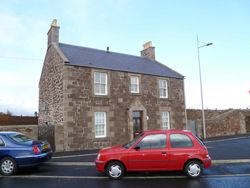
point(100, 124)
point(165, 120)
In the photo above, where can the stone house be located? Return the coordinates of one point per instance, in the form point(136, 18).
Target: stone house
point(90, 98)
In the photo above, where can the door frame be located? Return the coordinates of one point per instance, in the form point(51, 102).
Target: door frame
point(136, 106)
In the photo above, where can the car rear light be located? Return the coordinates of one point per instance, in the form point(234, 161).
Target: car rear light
point(36, 150)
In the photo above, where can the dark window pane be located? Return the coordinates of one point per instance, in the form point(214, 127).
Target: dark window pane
point(136, 114)
point(20, 138)
point(180, 141)
point(1, 142)
point(153, 142)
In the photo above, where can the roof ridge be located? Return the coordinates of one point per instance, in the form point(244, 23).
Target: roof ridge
point(92, 57)
point(109, 51)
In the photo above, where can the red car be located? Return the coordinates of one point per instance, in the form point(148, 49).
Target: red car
point(159, 150)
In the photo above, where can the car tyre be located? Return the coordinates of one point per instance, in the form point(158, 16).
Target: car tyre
point(115, 170)
point(8, 166)
point(194, 169)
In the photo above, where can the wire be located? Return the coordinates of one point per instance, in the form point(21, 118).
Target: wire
point(20, 58)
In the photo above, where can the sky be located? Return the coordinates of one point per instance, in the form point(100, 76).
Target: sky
point(124, 25)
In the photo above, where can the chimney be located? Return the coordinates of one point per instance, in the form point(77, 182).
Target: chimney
point(53, 34)
point(148, 51)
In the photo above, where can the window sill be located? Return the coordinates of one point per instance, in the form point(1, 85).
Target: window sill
point(164, 99)
point(135, 94)
point(102, 96)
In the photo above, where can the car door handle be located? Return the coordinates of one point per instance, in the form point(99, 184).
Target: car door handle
point(164, 153)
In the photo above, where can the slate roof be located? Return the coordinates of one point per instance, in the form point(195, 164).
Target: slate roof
point(94, 58)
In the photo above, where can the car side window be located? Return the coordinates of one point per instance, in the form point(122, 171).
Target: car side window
point(1, 142)
point(155, 141)
point(180, 141)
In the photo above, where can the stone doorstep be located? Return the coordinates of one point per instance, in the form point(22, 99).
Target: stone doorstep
point(214, 162)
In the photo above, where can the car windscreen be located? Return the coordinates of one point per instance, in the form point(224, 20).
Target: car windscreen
point(128, 145)
point(20, 138)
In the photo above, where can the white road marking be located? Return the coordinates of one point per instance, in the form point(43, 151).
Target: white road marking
point(70, 163)
point(126, 177)
point(227, 139)
point(214, 162)
point(72, 156)
point(230, 161)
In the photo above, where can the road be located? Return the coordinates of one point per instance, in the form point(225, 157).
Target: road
point(69, 171)
point(227, 149)
point(51, 176)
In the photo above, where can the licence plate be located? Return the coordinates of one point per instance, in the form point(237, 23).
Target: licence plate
point(45, 146)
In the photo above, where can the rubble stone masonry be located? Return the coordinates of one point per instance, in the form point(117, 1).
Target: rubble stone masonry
point(221, 122)
point(51, 96)
point(80, 104)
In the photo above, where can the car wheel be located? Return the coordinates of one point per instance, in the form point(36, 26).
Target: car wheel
point(8, 166)
point(115, 170)
point(193, 169)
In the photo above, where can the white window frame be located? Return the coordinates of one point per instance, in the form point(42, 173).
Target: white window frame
point(165, 120)
point(163, 88)
point(100, 124)
point(136, 83)
point(101, 83)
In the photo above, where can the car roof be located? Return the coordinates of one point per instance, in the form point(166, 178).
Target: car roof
point(166, 131)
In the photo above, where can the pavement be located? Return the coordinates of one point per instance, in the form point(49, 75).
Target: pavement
point(223, 150)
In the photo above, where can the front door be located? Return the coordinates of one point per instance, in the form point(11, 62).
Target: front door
point(248, 124)
point(137, 122)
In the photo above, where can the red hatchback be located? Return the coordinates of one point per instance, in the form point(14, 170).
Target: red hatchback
point(159, 150)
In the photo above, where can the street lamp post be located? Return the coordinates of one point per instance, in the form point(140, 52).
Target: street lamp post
point(203, 113)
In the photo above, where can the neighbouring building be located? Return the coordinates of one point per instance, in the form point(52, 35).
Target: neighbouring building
point(219, 122)
point(90, 98)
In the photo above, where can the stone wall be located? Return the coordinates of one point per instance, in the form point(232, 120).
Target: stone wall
point(23, 124)
point(80, 105)
point(51, 96)
point(220, 122)
point(29, 130)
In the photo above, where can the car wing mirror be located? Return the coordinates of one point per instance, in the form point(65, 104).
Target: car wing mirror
point(137, 147)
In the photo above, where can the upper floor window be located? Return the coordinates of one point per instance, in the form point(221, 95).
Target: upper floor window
point(165, 120)
point(100, 83)
point(134, 84)
point(163, 88)
point(100, 124)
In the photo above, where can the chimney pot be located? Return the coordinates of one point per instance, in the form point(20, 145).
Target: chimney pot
point(148, 51)
point(147, 45)
point(54, 23)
